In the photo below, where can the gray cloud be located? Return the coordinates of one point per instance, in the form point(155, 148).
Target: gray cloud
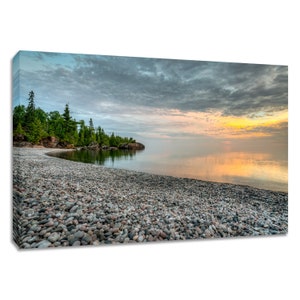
point(97, 85)
point(187, 85)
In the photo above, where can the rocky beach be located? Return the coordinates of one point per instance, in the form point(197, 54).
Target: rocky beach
point(60, 203)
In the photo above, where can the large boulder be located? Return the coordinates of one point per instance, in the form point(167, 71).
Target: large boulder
point(135, 146)
point(50, 142)
point(132, 146)
point(65, 145)
point(19, 138)
point(93, 146)
point(124, 146)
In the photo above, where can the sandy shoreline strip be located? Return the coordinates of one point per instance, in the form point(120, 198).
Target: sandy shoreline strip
point(58, 203)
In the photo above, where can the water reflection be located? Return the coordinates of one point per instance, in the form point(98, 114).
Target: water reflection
point(257, 169)
point(258, 163)
point(105, 157)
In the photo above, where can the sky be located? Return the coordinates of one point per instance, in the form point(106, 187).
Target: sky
point(159, 98)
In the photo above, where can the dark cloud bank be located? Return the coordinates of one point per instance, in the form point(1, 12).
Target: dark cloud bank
point(115, 85)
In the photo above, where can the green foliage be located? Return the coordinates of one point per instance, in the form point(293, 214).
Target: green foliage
point(101, 137)
point(19, 130)
point(113, 141)
point(69, 130)
point(91, 124)
point(55, 124)
point(80, 141)
point(36, 132)
point(18, 116)
point(35, 124)
point(30, 111)
point(66, 114)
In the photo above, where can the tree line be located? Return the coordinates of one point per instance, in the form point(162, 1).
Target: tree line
point(34, 124)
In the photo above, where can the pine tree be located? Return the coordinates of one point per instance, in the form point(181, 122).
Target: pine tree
point(92, 131)
point(112, 140)
point(70, 127)
point(19, 130)
point(36, 132)
point(66, 114)
point(30, 111)
point(91, 124)
point(19, 113)
point(34, 124)
point(81, 133)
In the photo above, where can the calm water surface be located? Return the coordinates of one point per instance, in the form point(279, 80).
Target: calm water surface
point(260, 167)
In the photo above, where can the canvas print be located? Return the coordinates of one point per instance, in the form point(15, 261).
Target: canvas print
point(120, 150)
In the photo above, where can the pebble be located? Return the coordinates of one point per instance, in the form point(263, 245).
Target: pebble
point(53, 237)
point(140, 238)
point(49, 224)
point(163, 235)
point(86, 238)
point(43, 244)
point(59, 203)
point(76, 243)
point(79, 234)
point(74, 208)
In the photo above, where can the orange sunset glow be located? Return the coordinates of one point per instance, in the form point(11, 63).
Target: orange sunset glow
point(235, 166)
point(246, 123)
point(214, 124)
point(242, 164)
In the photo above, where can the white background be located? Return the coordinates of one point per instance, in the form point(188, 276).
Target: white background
point(238, 31)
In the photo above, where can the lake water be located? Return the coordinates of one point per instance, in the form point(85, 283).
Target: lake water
point(255, 166)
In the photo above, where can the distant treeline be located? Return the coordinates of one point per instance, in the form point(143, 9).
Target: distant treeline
point(34, 124)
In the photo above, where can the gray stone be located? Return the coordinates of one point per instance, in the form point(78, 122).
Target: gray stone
point(71, 239)
point(140, 238)
point(43, 244)
point(87, 238)
point(76, 243)
point(53, 237)
point(74, 208)
point(32, 239)
point(79, 234)
point(124, 206)
point(49, 224)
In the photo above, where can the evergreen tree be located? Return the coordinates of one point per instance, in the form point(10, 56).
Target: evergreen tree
point(19, 130)
point(19, 116)
point(81, 134)
point(91, 124)
point(34, 124)
point(66, 114)
point(91, 132)
point(30, 111)
point(55, 124)
point(36, 132)
point(70, 127)
point(113, 141)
